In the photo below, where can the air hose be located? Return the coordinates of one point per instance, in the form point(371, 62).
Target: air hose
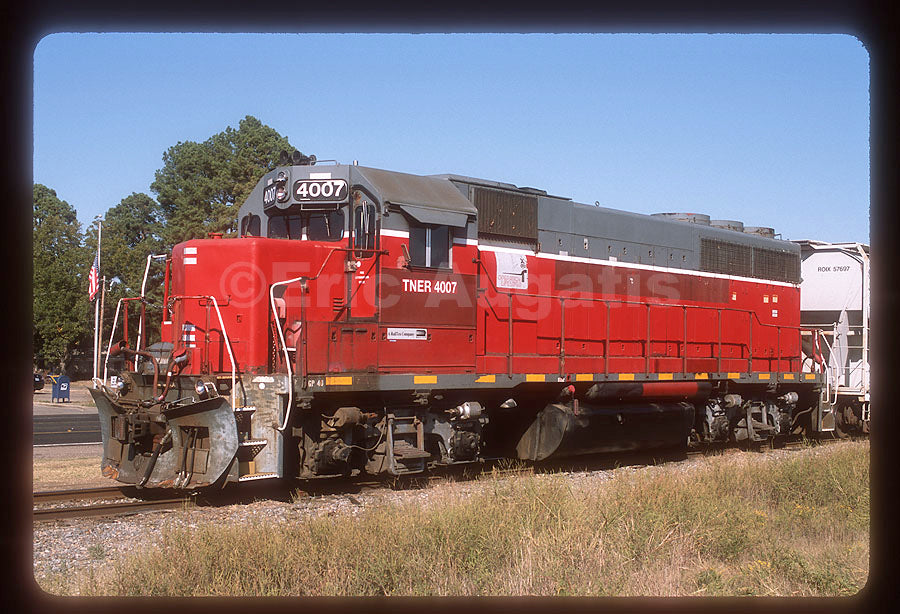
point(156, 450)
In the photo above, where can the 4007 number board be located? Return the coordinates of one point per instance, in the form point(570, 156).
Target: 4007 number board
point(308, 190)
point(320, 190)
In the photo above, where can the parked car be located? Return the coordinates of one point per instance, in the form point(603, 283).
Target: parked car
point(38, 381)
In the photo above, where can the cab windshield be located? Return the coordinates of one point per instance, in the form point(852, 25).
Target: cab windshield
point(315, 225)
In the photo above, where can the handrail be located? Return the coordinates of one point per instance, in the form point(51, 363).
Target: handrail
point(137, 345)
point(215, 303)
point(865, 316)
point(685, 307)
point(112, 332)
point(280, 338)
point(825, 370)
point(623, 301)
point(649, 304)
point(848, 371)
point(287, 359)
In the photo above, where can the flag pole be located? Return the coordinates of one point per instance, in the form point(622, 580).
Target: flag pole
point(100, 333)
point(97, 310)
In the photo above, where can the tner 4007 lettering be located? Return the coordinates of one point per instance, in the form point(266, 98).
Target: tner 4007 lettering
point(426, 285)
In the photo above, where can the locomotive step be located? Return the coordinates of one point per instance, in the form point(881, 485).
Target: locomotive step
point(257, 476)
point(404, 450)
point(242, 417)
point(248, 449)
point(253, 442)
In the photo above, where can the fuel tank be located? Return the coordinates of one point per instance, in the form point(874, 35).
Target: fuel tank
point(648, 391)
point(574, 428)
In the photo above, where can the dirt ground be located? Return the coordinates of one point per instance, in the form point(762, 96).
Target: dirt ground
point(66, 466)
point(63, 467)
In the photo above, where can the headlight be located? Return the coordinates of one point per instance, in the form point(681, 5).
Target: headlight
point(281, 193)
point(200, 387)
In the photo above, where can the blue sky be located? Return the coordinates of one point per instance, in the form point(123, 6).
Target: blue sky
point(771, 130)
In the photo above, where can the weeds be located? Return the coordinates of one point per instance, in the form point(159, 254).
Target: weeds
point(97, 552)
point(753, 526)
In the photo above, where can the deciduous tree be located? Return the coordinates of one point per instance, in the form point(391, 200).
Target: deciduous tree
point(62, 314)
point(132, 230)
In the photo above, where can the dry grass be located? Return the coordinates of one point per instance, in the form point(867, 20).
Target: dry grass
point(74, 472)
point(749, 526)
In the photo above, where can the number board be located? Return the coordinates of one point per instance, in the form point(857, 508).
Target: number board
point(269, 196)
point(320, 190)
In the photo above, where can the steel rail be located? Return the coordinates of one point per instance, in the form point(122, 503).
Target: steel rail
point(106, 509)
point(633, 458)
point(78, 494)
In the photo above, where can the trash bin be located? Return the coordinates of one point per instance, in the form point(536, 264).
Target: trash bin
point(61, 386)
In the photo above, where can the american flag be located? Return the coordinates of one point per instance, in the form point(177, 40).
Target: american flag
point(94, 278)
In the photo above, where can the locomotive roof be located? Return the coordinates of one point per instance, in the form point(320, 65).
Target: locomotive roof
point(496, 184)
point(560, 213)
point(428, 199)
point(441, 199)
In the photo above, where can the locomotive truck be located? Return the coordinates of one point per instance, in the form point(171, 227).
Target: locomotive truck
point(366, 321)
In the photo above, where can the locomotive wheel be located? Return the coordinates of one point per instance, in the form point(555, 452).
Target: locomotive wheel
point(846, 422)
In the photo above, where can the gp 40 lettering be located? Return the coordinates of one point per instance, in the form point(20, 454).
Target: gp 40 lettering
point(320, 190)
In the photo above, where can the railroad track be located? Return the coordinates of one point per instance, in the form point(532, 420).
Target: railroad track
point(608, 460)
point(104, 508)
point(111, 508)
point(762, 446)
point(79, 494)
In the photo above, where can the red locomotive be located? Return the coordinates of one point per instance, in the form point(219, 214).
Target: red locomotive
point(374, 321)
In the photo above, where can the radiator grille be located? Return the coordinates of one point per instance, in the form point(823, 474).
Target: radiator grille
point(504, 214)
point(773, 264)
point(742, 260)
point(726, 257)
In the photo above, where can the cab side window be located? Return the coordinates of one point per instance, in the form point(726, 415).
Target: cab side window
point(250, 226)
point(429, 246)
point(364, 227)
point(364, 214)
